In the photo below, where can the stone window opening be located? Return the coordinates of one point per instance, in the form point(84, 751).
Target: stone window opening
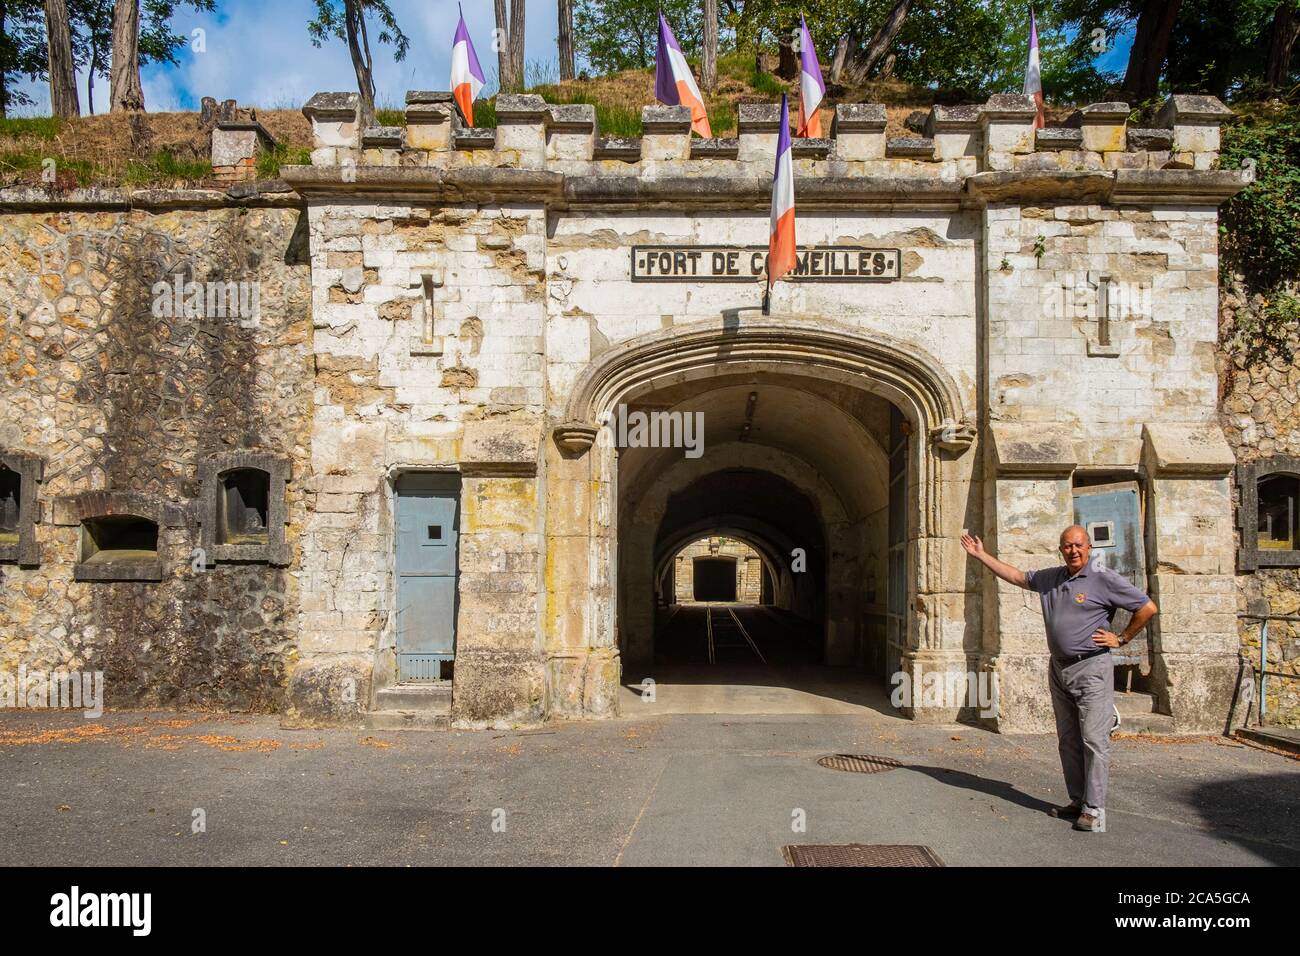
point(19, 510)
point(119, 547)
point(243, 508)
point(1276, 525)
point(244, 496)
point(10, 502)
point(1268, 513)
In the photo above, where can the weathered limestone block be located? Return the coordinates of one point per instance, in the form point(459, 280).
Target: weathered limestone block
point(1007, 125)
point(521, 130)
point(334, 126)
point(234, 149)
point(432, 120)
point(955, 131)
point(571, 132)
point(859, 131)
point(757, 125)
point(665, 133)
point(1103, 126)
point(1195, 121)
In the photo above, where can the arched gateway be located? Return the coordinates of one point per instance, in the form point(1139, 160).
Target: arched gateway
point(792, 410)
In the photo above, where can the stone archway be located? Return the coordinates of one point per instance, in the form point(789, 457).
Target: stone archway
point(809, 364)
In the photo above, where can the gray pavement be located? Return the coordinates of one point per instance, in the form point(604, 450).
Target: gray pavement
point(675, 789)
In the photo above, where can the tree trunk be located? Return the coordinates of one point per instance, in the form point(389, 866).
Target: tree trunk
point(90, 81)
point(565, 38)
point(125, 92)
point(517, 40)
point(4, 83)
point(354, 19)
point(1146, 60)
point(840, 57)
point(787, 63)
point(1286, 29)
point(709, 64)
point(505, 59)
point(63, 76)
point(860, 64)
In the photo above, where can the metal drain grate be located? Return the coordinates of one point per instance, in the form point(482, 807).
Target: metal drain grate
point(859, 854)
point(858, 763)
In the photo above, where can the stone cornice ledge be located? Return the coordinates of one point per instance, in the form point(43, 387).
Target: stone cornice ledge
point(1134, 186)
point(756, 192)
point(361, 182)
point(266, 193)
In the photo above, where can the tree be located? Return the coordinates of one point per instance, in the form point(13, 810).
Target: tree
point(1282, 40)
point(92, 35)
point(565, 38)
point(124, 91)
point(1146, 59)
point(858, 62)
point(62, 69)
point(22, 49)
point(348, 23)
point(618, 35)
point(709, 62)
point(510, 45)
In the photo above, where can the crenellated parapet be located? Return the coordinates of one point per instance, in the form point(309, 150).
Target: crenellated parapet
point(958, 141)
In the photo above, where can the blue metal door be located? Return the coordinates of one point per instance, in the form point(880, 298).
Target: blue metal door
point(428, 520)
point(1112, 514)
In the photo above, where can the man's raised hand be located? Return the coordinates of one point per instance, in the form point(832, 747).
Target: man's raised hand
point(972, 545)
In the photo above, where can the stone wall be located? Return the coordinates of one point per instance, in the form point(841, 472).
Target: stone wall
point(1261, 418)
point(115, 396)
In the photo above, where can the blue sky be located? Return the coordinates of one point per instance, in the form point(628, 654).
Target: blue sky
point(258, 52)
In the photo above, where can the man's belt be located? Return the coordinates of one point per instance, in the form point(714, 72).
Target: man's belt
point(1069, 659)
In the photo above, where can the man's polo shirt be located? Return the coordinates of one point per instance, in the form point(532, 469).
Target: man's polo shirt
point(1076, 607)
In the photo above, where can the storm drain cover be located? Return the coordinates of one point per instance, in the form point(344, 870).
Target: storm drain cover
point(858, 763)
point(859, 854)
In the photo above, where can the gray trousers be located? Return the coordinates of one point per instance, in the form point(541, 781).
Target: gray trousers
point(1083, 699)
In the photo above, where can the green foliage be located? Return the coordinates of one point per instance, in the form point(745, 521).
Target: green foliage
point(270, 161)
point(33, 161)
point(485, 114)
point(22, 50)
point(165, 168)
point(1260, 226)
point(611, 119)
point(1259, 230)
point(91, 22)
point(614, 35)
point(390, 117)
point(331, 21)
point(42, 127)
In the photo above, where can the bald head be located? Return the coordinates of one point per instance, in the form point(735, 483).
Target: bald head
point(1076, 546)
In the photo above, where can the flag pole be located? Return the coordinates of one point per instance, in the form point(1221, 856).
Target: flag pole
point(767, 297)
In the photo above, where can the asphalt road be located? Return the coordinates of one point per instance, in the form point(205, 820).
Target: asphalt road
point(689, 789)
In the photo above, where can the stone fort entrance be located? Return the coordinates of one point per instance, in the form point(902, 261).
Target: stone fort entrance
point(825, 450)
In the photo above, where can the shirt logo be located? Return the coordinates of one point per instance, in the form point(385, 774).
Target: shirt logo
point(1080, 598)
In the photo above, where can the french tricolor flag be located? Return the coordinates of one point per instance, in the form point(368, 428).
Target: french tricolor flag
point(1034, 71)
point(674, 85)
point(812, 88)
point(781, 248)
point(466, 75)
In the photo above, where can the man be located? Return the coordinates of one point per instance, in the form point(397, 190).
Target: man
point(1078, 603)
